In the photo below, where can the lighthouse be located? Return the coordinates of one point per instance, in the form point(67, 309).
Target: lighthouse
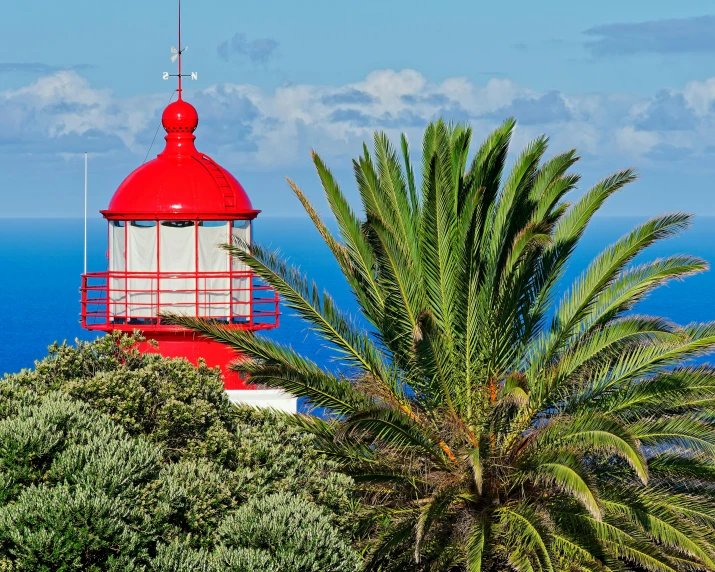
point(165, 224)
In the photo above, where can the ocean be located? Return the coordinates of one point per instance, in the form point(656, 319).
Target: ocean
point(41, 262)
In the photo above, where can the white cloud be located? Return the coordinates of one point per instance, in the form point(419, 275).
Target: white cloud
point(61, 87)
point(64, 104)
point(635, 142)
point(700, 95)
point(266, 129)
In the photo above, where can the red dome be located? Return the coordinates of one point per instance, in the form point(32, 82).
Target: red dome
point(181, 183)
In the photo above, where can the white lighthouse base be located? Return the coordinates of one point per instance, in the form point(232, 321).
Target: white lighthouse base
point(264, 398)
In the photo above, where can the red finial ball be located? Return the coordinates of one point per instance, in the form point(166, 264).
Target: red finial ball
point(180, 117)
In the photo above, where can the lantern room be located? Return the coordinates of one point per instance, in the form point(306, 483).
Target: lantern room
point(166, 224)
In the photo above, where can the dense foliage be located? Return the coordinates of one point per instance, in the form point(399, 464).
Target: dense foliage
point(110, 460)
point(495, 427)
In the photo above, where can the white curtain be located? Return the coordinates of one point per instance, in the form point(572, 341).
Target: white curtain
point(213, 292)
point(241, 289)
point(177, 254)
point(117, 286)
point(141, 257)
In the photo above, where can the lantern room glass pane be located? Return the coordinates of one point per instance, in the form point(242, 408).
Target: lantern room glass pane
point(241, 287)
point(117, 283)
point(214, 284)
point(177, 256)
point(141, 264)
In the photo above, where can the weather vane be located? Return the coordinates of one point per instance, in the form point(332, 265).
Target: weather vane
point(177, 55)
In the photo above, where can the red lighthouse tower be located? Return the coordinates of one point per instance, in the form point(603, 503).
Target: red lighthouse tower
point(166, 222)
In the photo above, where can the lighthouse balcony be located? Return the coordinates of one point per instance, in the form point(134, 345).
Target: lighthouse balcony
point(127, 301)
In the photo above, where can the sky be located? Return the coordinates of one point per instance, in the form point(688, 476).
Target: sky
point(627, 84)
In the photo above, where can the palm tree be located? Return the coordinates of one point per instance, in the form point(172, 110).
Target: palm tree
point(493, 423)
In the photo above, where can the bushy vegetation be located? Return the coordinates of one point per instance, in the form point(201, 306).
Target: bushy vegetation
point(497, 424)
point(113, 460)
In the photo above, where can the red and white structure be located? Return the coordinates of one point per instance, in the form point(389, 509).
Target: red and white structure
point(166, 222)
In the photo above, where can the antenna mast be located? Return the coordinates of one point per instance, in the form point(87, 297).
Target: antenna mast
point(180, 49)
point(85, 212)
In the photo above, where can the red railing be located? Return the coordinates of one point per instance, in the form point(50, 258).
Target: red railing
point(135, 300)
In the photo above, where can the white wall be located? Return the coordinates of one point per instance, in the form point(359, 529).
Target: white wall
point(264, 398)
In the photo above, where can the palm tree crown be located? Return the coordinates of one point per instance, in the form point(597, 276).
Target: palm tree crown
point(493, 426)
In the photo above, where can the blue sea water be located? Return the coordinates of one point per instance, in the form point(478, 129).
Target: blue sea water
point(41, 262)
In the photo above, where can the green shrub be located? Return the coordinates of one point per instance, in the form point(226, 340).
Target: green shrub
point(56, 439)
point(277, 533)
point(291, 534)
point(274, 456)
point(180, 557)
point(185, 410)
point(192, 498)
point(113, 460)
point(71, 528)
point(171, 402)
point(72, 481)
point(240, 560)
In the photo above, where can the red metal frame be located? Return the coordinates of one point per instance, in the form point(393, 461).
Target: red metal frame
point(105, 312)
point(183, 215)
point(97, 291)
point(229, 240)
point(158, 269)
